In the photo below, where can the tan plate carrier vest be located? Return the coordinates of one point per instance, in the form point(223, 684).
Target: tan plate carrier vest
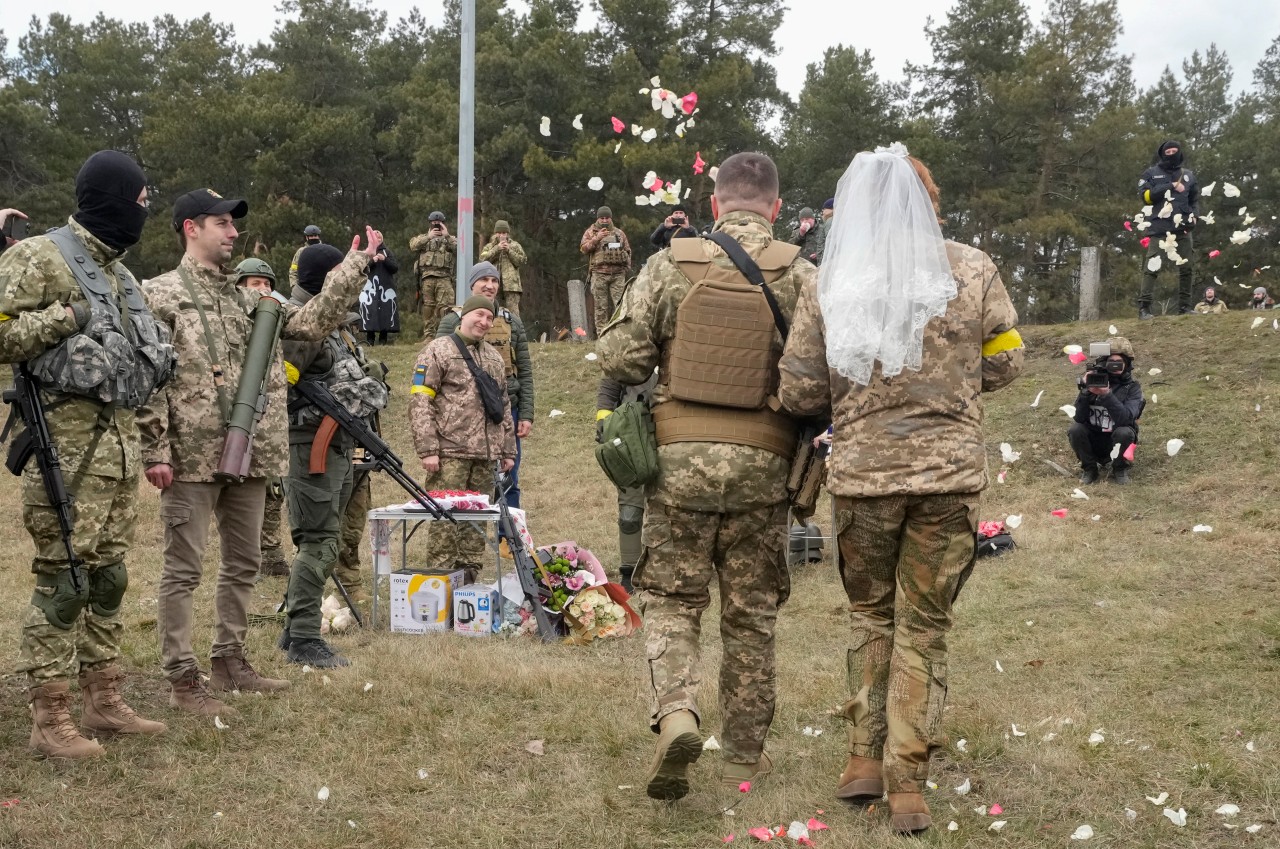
point(720, 369)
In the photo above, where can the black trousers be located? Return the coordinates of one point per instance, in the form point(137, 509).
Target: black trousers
point(1093, 447)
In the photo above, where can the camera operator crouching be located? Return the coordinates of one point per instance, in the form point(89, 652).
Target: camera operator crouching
point(1107, 412)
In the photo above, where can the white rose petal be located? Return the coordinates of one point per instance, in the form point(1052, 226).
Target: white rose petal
point(1153, 371)
point(545, 126)
point(555, 414)
point(932, 785)
point(1069, 409)
point(797, 830)
point(636, 129)
point(711, 744)
point(1096, 739)
point(1008, 454)
point(963, 789)
point(1050, 737)
point(368, 685)
point(591, 358)
point(1012, 522)
point(642, 200)
point(1239, 237)
point(1113, 331)
point(422, 774)
point(1095, 518)
point(1153, 398)
point(953, 826)
point(648, 135)
point(1249, 747)
point(323, 794)
point(1072, 349)
point(1084, 832)
point(577, 121)
point(1016, 732)
point(1178, 817)
point(1207, 218)
point(1253, 829)
point(1207, 191)
point(1228, 810)
point(219, 724)
point(997, 825)
point(1229, 191)
point(999, 668)
point(1173, 446)
point(595, 184)
point(1158, 800)
point(1036, 403)
point(617, 147)
point(1154, 264)
point(351, 823)
point(1202, 529)
point(1115, 451)
point(1079, 493)
point(981, 810)
point(1130, 814)
point(1257, 322)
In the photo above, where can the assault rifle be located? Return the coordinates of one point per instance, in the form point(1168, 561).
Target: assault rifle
point(377, 452)
point(25, 404)
point(535, 592)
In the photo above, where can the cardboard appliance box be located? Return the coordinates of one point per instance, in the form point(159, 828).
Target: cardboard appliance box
point(476, 612)
point(421, 602)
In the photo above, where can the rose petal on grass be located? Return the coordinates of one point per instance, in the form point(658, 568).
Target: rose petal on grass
point(711, 744)
point(1249, 747)
point(368, 685)
point(1158, 800)
point(981, 810)
point(1069, 409)
point(1128, 452)
point(351, 823)
point(1202, 529)
point(744, 787)
point(1084, 832)
point(555, 414)
point(1080, 494)
point(999, 668)
point(1130, 814)
point(761, 833)
point(1013, 522)
point(1254, 829)
point(953, 826)
point(1016, 732)
point(964, 788)
point(1228, 810)
point(797, 830)
point(996, 810)
point(962, 745)
point(534, 747)
point(997, 825)
point(1077, 358)
point(219, 724)
point(323, 794)
point(816, 825)
point(422, 775)
point(1008, 454)
point(1061, 513)
point(1050, 737)
point(1178, 817)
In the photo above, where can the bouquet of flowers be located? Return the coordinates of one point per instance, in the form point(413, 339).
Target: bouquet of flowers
point(594, 614)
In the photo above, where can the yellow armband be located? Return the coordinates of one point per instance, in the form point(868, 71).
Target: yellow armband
point(603, 414)
point(1010, 340)
point(291, 373)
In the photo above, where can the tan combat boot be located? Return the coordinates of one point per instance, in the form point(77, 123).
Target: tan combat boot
point(909, 812)
point(235, 673)
point(734, 774)
point(53, 734)
point(862, 779)
point(679, 744)
point(190, 693)
point(105, 711)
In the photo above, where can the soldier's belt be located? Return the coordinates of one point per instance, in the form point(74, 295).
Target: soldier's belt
point(682, 421)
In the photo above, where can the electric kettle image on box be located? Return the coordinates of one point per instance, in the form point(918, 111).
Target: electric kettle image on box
point(465, 611)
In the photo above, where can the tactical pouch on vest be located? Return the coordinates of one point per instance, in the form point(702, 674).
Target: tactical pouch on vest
point(490, 392)
point(808, 474)
point(628, 452)
point(610, 256)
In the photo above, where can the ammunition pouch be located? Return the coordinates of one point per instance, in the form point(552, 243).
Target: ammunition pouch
point(106, 589)
point(682, 421)
point(628, 450)
point(357, 386)
point(808, 474)
point(58, 600)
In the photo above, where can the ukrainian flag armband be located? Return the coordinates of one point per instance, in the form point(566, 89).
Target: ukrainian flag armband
point(420, 383)
point(1010, 340)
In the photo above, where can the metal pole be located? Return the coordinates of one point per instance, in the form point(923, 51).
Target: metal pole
point(466, 148)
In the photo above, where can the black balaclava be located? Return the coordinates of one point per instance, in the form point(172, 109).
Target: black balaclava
point(107, 190)
point(314, 263)
point(1169, 163)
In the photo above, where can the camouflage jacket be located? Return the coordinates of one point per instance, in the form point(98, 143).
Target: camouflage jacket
point(513, 346)
point(508, 260)
point(437, 255)
point(600, 257)
point(36, 285)
point(183, 426)
point(810, 242)
point(919, 433)
point(446, 414)
point(293, 266)
point(706, 476)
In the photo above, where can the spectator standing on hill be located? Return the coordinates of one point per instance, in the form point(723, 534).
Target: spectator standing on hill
point(1211, 304)
point(1260, 300)
point(508, 257)
point(674, 226)
point(435, 267)
point(1174, 197)
point(608, 260)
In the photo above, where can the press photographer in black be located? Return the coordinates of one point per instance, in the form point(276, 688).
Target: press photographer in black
point(1107, 412)
point(675, 226)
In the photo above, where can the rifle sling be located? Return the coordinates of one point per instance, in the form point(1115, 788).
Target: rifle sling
point(219, 383)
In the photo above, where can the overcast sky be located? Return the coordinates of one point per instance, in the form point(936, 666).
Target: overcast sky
point(1156, 32)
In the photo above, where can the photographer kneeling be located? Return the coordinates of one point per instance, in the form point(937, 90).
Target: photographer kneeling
point(1107, 411)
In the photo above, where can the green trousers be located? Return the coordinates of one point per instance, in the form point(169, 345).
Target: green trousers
point(315, 518)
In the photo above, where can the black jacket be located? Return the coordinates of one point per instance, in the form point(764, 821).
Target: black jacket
point(1155, 188)
point(662, 237)
point(379, 310)
point(1120, 408)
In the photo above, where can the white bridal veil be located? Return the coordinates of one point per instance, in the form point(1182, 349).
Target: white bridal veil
point(884, 272)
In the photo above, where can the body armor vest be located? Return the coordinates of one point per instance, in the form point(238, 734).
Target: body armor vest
point(122, 355)
point(358, 386)
point(435, 260)
point(607, 256)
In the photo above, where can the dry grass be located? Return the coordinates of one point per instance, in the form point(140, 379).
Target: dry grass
point(1168, 641)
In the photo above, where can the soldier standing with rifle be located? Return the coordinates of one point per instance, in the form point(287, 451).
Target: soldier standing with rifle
point(319, 483)
point(184, 429)
point(53, 320)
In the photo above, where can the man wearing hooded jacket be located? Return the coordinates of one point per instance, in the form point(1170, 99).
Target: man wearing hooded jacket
point(1106, 420)
point(1172, 193)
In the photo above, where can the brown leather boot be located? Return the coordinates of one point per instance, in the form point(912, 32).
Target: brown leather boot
point(190, 693)
point(235, 673)
point(734, 774)
point(909, 812)
point(53, 734)
point(679, 744)
point(862, 779)
point(105, 711)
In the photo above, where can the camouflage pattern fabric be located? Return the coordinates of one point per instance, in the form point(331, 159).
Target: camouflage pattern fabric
point(437, 294)
point(182, 426)
point(903, 560)
point(607, 288)
point(1218, 307)
point(102, 534)
point(684, 552)
point(513, 346)
point(340, 364)
point(315, 518)
point(508, 258)
point(352, 540)
point(436, 266)
point(458, 546)
point(272, 545)
point(919, 433)
point(293, 266)
point(36, 285)
point(446, 414)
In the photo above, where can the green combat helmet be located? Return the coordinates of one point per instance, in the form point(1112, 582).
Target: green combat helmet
point(254, 267)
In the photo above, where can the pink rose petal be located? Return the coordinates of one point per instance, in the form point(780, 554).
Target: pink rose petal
point(728, 839)
point(761, 833)
point(1128, 225)
point(1078, 357)
point(1128, 452)
point(688, 102)
point(1061, 513)
point(815, 825)
point(698, 163)
point(1146, 240)
point(995, 810)
point(618, 126)
point(744, 787)
point(1213, 254)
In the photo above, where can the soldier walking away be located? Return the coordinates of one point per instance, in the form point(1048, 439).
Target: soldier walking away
point(458, 436)
point(318, 497)
point(56, 319)
point(608, 260)
point(908, 458)
point(436, 268)
point(508, 257)
point(310, 236)
point(717, 511)
point(1173, 196)
point(183, 431)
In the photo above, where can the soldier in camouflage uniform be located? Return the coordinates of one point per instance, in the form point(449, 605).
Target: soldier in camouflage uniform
point(457, 443)
point(64, 634)
point(310, 236)
point(907, 467)
point(508, 337)
point(436, 267)
point(609, 260)
point(717, 510)
point(183, 430)
point(508, 257)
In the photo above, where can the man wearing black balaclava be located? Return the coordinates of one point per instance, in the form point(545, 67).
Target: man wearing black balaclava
point(46, 314)
point(1171, 198)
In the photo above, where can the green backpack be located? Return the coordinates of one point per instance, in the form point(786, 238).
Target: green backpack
point(628, 450)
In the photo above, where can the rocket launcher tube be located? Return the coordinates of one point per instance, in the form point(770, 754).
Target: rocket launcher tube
point(251, 394)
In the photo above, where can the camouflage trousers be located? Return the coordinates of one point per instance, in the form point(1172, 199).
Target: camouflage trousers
point(450, 546)
point(684, 551)
point(903, 560)
point(437, 295)
point(272, 544)
point(511, 300)
point(607, 288)
point(354, 519)
point(316, 502)
point(630, 524)
point(103, 521)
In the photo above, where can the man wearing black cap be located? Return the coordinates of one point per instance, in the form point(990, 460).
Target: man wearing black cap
point(1172, 203)
point(675, 226)
point(47, 311)
point(183, 430)
point(310, 236)
point(436, 266)
point(609, 260)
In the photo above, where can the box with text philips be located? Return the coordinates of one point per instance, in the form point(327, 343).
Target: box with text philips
point(422, 603)
point(475, 610)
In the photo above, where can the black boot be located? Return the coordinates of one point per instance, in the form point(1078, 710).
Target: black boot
point(1144, 313)
point(316, 653)
point(625, 579)
point(284, 641)
point(1089, 475)
point(1120, 475)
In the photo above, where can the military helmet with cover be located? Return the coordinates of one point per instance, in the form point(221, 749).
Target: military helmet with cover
point(254, 267)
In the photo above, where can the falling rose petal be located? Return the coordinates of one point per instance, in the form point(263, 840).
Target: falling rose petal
point(1207, 218)
point(617, 147)
point(642, 200)
point(1158, 800)
point(688, 192)
point(1115, 451)
point(1145, 241)
point(1013, 522)
point(711, 744)
point(1154, 264)
point(655, 82)
point(1061, 513)
point(1230, 191)
point(744, 787)
point(1202, 529)
point(595, 184)
point(996, 810)
point(1036, 403)
point(997, 825)
point(323, 794)
point(636, 129)
point(680, 130)
point(1214, 254)
point(1173, 446)
point(668, 109)
point(577, 121)
point(688, 102)
point(1207, 191)
point(1078, 358)
point(964, 788)
point(815, 825)
point(689, 124)
point(1178, 817)
point(1000, 476)
point(1128, 225)
point(1133, 446)
point(1069, 409)
point(648, 135)
point(618, 125)
point(1112, 330)
point(1239, 237)
point(1154, 371)
point(545, 126)
point(1084, 832)
point(698, 163)
point(714, 172)
point(1228, 810)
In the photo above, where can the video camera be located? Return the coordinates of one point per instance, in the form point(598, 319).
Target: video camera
point(1099, 376)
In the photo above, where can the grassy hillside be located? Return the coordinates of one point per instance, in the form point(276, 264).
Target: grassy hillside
point(1116, 618)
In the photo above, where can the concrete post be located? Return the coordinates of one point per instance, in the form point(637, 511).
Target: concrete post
point(1089, 284)
point(578, 310)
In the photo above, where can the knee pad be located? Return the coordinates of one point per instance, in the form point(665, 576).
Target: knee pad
point(106, 589)
point(630, 518)
point(58, 600)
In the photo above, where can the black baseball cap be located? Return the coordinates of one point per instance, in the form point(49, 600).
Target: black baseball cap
point(206, 202)
point(436, 216)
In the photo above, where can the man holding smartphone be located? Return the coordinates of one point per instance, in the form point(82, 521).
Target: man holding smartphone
point(1107, 412)
point(13, 224)
point(676, 226)
point(435, 267)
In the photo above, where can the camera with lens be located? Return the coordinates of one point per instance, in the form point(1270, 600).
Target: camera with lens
point(1104, 367)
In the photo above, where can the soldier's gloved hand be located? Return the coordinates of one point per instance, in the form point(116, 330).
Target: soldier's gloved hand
point(601, 415)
